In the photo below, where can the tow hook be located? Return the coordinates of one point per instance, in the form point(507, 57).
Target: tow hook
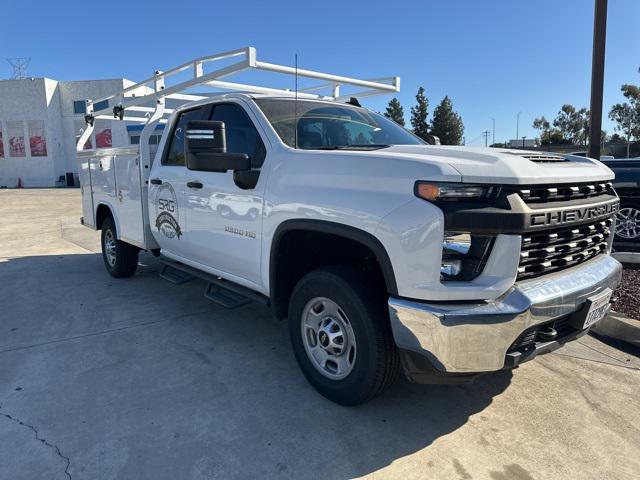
point(548, 334)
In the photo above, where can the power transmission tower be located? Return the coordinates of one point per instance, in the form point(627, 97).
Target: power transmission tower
point(486, 134)
point(19, 65)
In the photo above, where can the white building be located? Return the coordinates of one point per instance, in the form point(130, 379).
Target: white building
point(41, 118)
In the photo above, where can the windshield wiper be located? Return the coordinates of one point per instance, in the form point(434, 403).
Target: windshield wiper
point(366, 146)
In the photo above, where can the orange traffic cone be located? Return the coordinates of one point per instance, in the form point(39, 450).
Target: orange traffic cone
point(19, 183)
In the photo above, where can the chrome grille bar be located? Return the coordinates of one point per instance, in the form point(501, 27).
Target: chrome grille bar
point(563, 193)
point(549, 251)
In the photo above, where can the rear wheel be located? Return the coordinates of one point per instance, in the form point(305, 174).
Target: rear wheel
point(120, 258)
point(341, 337)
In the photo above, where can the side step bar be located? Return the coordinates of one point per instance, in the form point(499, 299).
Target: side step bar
point(219, 290)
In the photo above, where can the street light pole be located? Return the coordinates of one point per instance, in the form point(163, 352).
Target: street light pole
point(518, 124)
point(493, 138)
point(597, 76)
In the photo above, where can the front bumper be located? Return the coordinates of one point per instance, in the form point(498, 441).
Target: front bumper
point(462, 339)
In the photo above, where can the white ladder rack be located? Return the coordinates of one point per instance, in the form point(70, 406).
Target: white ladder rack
point(137, 98)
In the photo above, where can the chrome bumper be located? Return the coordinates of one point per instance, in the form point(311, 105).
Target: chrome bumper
point(474, 337)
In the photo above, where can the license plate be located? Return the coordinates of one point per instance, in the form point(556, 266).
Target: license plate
point(596, 308)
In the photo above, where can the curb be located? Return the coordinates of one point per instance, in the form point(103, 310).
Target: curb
point(619, 327)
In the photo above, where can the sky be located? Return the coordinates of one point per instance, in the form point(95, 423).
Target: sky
point(493, 58)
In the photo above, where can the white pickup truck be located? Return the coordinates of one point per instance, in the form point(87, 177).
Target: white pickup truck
point(386, 254)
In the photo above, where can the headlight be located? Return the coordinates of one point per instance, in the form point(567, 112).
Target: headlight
point(464, 255)
point(435, 192)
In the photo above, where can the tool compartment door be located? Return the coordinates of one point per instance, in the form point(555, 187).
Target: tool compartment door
point(129, 199)
point(84, 174)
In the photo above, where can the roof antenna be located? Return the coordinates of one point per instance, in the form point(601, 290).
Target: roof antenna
point(295, 107)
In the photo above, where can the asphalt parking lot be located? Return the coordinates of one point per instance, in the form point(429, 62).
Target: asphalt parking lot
point(134, 379)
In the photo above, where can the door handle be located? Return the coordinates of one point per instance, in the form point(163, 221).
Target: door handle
point(194, 184)
point(155, 181)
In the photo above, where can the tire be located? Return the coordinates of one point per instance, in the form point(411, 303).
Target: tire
point(366, 366)
point(120, 258)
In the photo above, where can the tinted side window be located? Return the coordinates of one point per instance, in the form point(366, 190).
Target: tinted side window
point(175, 154)
point(242, 136)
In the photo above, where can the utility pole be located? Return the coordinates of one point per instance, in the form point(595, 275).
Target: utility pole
point(597, 76)
point(486, 134)
point(493, 137)
point(518, 124)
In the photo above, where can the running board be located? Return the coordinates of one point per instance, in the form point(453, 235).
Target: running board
point(174, 275)
point(221, 291)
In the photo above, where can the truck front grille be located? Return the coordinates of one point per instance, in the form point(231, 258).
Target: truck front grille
point(552, 250)
point(562, 193)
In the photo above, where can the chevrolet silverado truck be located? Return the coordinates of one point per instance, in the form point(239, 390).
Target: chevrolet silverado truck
point(385, 254)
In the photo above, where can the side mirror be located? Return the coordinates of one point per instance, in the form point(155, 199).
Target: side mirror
point(205, 148)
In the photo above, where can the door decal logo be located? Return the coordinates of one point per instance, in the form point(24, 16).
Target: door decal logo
point(167, 216)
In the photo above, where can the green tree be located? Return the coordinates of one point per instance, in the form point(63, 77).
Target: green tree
point(544, 126)
point(627, 114)
point(622, 114)
point(572, 124)
point(395, 112)
point(584, 124)
point(446, 124)
point(615, 138)
point(419, 115)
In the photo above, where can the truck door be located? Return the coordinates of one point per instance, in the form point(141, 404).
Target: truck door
point(167, 217)
point(224, 211)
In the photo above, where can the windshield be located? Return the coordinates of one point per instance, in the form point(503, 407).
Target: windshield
point(325, 126)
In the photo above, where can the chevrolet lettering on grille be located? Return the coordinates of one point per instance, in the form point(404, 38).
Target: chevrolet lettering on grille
point(572, 216)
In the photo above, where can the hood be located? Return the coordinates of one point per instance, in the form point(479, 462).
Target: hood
point(505, 166)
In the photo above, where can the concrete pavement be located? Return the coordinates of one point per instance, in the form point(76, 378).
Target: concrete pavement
point(133, 379)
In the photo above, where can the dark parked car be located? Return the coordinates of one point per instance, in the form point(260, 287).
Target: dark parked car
point(627, 184)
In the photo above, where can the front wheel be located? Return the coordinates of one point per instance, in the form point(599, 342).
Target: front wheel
point(341, 337)
point(120, 258)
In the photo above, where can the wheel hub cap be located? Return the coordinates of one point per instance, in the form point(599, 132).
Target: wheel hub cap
point(110, 247)
point(328, 338)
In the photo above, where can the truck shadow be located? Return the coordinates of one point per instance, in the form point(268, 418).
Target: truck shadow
point(147, 379)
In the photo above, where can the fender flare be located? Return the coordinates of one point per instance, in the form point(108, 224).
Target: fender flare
point(339, 230)
point(114, 215)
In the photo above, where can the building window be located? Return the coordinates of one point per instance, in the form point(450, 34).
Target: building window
point(134, 139)
point(79, 107)
point(101, 105)
point(16, 139)
point(37, 139)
